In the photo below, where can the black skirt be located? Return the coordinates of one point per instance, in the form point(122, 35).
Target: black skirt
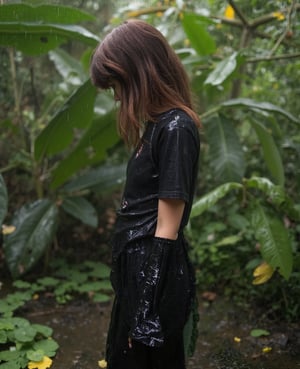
point(154, 289)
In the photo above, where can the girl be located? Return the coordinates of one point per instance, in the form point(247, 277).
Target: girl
point(151, 274)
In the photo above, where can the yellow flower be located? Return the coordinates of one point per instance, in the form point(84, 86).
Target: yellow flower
point(102, 363)
point(278, 15)
point(8, 229)
point(187, 42)
point(44, 364)
point(237, 339)
point(266, 349)
point(262, 273)
point(229, 12)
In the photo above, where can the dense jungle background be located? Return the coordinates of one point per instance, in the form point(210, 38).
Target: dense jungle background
point(62, 168)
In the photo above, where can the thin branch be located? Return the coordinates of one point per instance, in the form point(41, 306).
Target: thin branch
point(151, 10)
point(270, 58)
point(230, 22)
point(255, 23)
point(239, 13)
point(288, 28)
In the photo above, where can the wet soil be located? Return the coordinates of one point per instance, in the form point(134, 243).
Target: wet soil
point(224, 341)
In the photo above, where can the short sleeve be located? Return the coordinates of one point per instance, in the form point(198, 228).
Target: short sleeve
point(178, 151)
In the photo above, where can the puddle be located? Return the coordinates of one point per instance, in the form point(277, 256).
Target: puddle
point(80, 328)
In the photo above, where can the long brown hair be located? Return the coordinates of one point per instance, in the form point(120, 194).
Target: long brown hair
point(150, 74)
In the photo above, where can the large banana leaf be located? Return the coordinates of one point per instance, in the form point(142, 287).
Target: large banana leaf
point(70, 68)
point(3, 200)
point(43, 13)
point(259, 106)
point(77, 112)
point(81, 209)
point(273, 237)
point(36, 30)
point(210, 199)
point(225, 151)
point(91, 149)
point(35, 228)
point(195, 28)
point(105, 177)
point(270, 151)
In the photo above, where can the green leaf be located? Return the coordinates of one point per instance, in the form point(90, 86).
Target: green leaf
point(35, 227)
point(20, 322)
point(257, 106)
point(81, 209)
point(95, 286)
point(77, 112)
point(37, 39)
point(225, 151)
point(43, 13)
point(275, 194)
point(9, 355)
point(21, 284)
point(99, 179)
point(101, 297)
point(99, 270)
point(69, 68)
point(6, 324)
point(259, 332)
point(195, 28)
point(229, 240)
point(275, 245)
point(35, 355)
point(43, 330)
point(3, 200)
point(210, 199)
point(13, 359)
point(49, 346)
point(48, 281)
point(10, 365)
point(223, 70)
point(36, 30)
point(3, 337)
point(270, 152)
point(91, 149)
point(25, 334)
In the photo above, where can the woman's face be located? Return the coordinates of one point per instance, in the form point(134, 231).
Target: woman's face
point(115, 85)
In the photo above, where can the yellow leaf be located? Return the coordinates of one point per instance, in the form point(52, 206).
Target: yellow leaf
point(262, 273)
point(229, 12)
point(8, 229)
point(102, 363)
point(237, 339)
point(44, 364)
point(278, 15)
point(266, 349)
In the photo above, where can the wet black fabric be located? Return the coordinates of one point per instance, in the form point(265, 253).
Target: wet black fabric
point(154, 284)
point(152, 277)
point(164, 165)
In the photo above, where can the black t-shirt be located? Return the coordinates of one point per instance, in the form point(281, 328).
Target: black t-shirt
point(164, 165)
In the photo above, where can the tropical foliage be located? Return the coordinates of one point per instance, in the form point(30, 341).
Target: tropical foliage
point(244, 66)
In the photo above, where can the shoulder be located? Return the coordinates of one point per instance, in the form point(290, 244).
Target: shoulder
point(176, 120)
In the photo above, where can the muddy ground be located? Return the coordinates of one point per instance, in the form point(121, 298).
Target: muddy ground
point(224, 342)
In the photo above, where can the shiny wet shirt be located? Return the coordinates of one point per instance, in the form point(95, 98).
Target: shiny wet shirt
point(164, 165)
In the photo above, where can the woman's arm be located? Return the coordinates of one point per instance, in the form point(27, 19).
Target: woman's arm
point(170, 212)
